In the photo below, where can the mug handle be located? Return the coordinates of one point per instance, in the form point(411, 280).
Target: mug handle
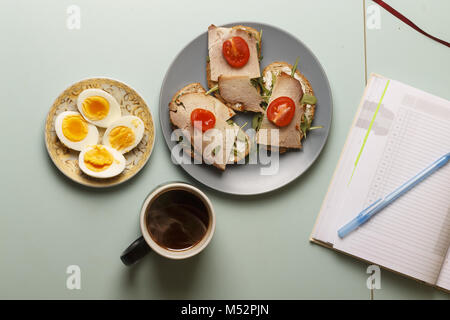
point(135, 251)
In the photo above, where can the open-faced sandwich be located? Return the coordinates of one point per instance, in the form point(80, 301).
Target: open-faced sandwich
point(192, 108)
point(234, 55)
point(290, 106)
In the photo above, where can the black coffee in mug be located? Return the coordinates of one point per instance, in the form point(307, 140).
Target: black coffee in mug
point(177, 220)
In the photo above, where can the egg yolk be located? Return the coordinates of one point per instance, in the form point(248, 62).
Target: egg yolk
point(95, 108)
point(121, 137)
point(74, 128)
point(98, 159)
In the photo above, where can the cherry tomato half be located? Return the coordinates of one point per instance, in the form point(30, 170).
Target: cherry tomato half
point(235, 51)
point(204, 117)
point(281, 111)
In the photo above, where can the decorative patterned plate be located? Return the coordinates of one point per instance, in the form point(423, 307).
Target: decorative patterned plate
point(131, 103)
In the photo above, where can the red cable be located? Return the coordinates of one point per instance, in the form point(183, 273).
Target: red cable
point(409, 22)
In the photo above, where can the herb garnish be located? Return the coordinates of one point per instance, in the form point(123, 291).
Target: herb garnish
point(215, 150)
point(308, 99)
point(294, 68)
point(305, 125)
point(256, 121)
point(213, 89)
point(241, 135)
point(258, 46)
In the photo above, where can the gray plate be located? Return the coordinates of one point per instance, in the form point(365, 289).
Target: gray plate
point(277, 45)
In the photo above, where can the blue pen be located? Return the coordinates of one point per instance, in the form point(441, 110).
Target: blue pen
point(382, 203)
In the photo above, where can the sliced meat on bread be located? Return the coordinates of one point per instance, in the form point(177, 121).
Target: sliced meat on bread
point(217, 65)
point(240, 94)
point(199, 97)
point(217, 148)
point(192, 97)
point(290, 136)
point(275, 69)
point(191, 101)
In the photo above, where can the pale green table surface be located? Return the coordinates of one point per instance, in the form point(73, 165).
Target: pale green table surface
point(260, 248)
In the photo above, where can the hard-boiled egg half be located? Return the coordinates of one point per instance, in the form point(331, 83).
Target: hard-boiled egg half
point(98, 107)
point(124, 134)
point(101, 161)
point(74, 132)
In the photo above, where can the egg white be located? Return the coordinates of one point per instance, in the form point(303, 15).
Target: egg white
point(114, 107)
point(91, 138)
point(132, 122)
point(113, 170)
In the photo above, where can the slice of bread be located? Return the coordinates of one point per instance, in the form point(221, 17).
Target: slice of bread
point(192, 96)
point(190, 88)
point(289, 136)
point(272, 71)
point(276, 68)
point(212, 83)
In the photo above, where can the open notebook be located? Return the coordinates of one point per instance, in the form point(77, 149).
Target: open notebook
point(398, 131)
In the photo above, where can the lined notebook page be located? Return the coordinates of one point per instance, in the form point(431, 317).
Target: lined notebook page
point(412, 235)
